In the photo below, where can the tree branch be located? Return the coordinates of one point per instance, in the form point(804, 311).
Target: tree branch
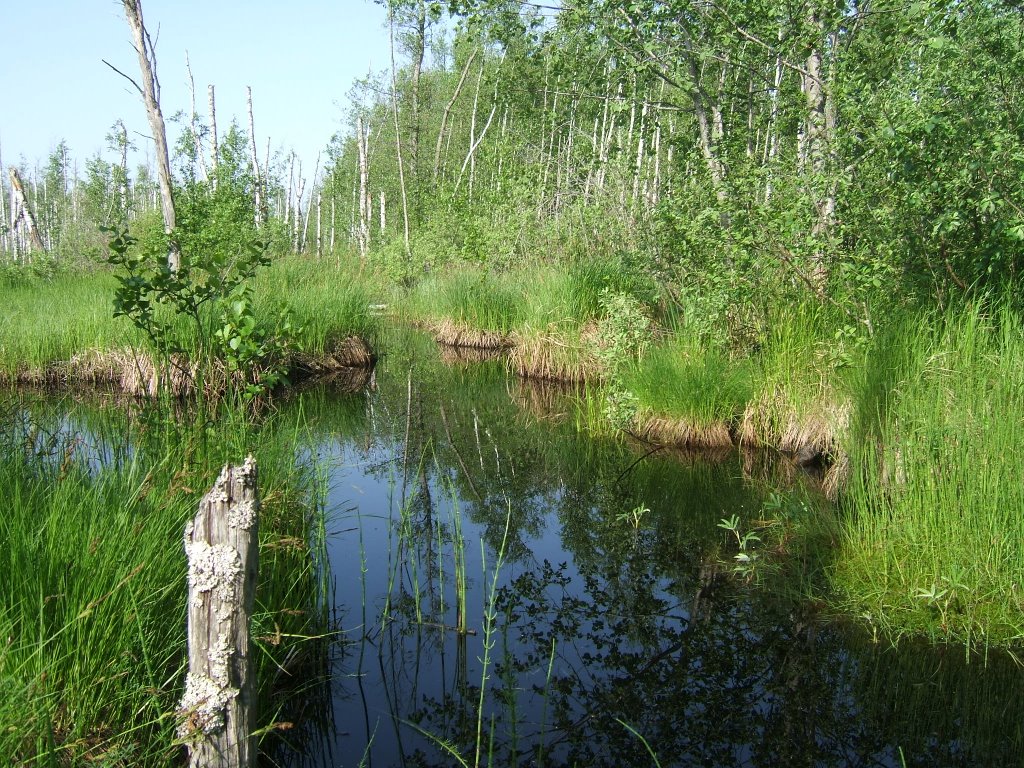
point(126, 77)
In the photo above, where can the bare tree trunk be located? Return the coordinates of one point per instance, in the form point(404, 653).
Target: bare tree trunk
point(709, 127)
point(771, 143)
point(123, 142)
point(319, 229)
point(640, 146)
point(398, 136)
point(214, 148)
point(419, 48)
point(551, 146)
point(472, 123)
point(20, 210)
point(150, 91)
point(297, 213)
point(448, 110)
point(365, 202)
point(4, 239)
point(471, 155)
point(309, 208)
point(218, 709)
point(258, 202)
point(291, 190)
point(197, 149)
point(383, 213)
point(820, 119)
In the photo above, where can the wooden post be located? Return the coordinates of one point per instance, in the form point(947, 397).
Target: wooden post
point(218, 709)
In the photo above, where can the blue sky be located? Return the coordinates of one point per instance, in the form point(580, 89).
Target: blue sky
point(300, 57)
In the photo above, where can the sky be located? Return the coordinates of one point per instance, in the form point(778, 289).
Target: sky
point(301, 58)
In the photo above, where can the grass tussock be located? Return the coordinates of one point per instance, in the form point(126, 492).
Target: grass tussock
point(328, 303)
point(466, 300)
point(453, 334)
point(62, 331)
point(686, 396)
point(555, 356)
point(799, 403)
point(45, 322)
point(683, 434)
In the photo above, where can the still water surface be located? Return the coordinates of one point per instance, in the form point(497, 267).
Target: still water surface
point(598, 626)
point(599, 623)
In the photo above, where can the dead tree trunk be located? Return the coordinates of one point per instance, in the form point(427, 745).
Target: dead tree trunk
point(150, 90)
point(257, 176)
point(319, 228)
point(365, 201)
point(20, 209)
point(197, 150)
point(122, 141)
point(418, 50)
point(398, 139)
point(218, 710)
point(447, 113)
point(214, 149)
point(3, 211)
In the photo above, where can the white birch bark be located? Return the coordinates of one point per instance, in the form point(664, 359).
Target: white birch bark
point(398, 136)
point(21, 211)
point(194, 122)
point(150, 91)
point(446, 114)
point(258, 202)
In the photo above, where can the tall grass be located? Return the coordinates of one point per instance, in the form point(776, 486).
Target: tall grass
point(933, 508)
point(799, 401)
point(677, 379)
point(45, 321)
point(93, 577)
point(49, 322)
point(479, 299)
point(328, 302)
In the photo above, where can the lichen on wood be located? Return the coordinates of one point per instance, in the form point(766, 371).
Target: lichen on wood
point(218, 709)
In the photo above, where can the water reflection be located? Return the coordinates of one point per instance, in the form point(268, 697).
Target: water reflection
point(612, 644)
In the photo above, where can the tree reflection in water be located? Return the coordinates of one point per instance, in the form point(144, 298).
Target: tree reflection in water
point(600, 626)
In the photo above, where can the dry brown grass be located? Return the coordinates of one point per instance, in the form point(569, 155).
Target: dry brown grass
point(453, 334)
point(773, 422)
point(135, 373)
point(553, 357)
point(681, 433)
point(836, 476)
point(129, 371)
point(350, 352)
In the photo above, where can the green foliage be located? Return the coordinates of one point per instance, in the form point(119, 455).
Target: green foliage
point(203, 310)
point(623, 331)
point(211, 294)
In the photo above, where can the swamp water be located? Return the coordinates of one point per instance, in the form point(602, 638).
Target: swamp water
point(600, 627)
point(507, 591)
